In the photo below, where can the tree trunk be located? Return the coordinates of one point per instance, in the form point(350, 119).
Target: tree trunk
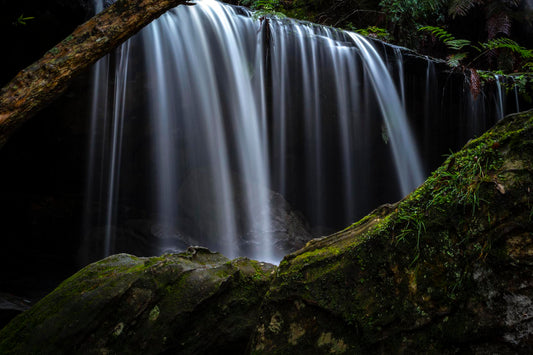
point(39, 84)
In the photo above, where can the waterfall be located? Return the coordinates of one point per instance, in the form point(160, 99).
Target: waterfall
point(207, 113)
point(501, 93)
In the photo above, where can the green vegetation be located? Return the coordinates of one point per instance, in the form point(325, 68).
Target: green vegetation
point(524, 56)
point(410, 275)
point(405, 16)
point(128, 304)
point(22, 20)
point(446, 38)
point(464, 54)
point(375, 32)
point(265, 8)
point(423, 26)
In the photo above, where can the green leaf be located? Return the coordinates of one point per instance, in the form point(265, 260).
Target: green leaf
point(455, 59)
point(457, 44)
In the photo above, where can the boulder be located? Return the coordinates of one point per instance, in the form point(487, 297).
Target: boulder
point(197, 302)
point(446, 270)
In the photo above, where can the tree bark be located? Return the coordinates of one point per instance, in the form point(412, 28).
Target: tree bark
point(39, 84)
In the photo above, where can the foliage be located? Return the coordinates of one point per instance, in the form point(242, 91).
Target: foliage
point(21, 20)
point(266, 5)
point(462, 7)
point(446, 37)
point(498, 13)
point(455, 186)
point(374, 32)
point(265, 8)
point(490, 47)
point(521, 83)
point(504, 45)
point(454, 60)
point(502, 42)
point(405, 16)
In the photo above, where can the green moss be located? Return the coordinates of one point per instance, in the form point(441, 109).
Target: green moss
point(54, 51)
point(406, 265)
point(128, 304)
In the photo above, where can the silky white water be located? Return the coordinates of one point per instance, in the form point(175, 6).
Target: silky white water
point(227, 109)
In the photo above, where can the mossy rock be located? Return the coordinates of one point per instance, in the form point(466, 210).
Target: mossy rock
point(445, 270)
point(188, 303)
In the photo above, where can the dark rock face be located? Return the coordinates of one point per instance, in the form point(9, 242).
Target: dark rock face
point(447, 269)
point(196, 302)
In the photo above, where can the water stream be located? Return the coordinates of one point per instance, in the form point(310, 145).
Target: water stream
point(210, 114)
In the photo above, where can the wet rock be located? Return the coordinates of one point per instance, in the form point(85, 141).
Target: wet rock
point(136, 236)
point(11, 306)
point(202, 212)
point(189, 303)
point(446, 270)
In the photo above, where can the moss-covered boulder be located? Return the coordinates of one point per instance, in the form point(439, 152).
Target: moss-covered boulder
point(448, 269)
point(196, 302)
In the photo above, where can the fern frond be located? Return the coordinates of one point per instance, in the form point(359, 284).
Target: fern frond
point(446, 37)
point(438, 32)
point(508, 43)
point(461, 7)
point(457, 44)
point(498, 23)
point(455, 59)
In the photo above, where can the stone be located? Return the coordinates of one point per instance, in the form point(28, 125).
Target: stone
point(188, 303)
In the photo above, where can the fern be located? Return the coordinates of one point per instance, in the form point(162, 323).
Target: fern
point(438, 32)
point(266, 5)
point(21, 20)
point(461, 7)
point(457, 44)
point(455, 59)
point(508, 43)
point(498, 23)
point(267, 8)
point(446, 37)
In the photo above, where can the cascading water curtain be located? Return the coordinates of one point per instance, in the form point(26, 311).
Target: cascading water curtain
point(212, 111)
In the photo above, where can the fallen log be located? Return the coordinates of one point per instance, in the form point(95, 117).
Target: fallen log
point(38, 85)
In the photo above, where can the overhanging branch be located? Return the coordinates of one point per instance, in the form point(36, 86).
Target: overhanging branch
point(42, 82)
